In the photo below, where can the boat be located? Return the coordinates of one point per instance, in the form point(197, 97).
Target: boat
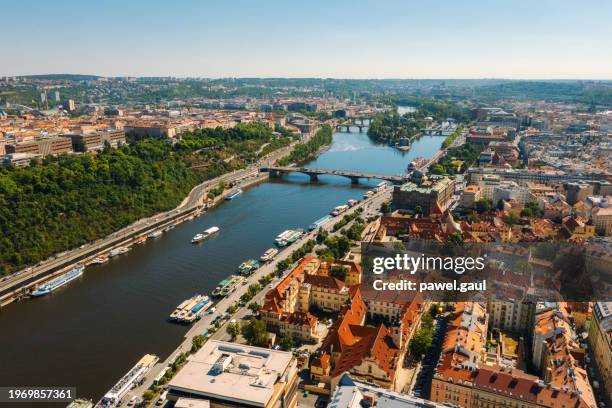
point(381, 186)
point(59, 281)
point(288, 237)
point(417, 163)
point(268, 255)
point(191, 309)
point(118, 251)
point(339, 210)
point(99, 260)
point(205, 234)
point(319, 222)
point(155, 234)
point(233, 194)
point(227, 285)
point(368, 194)
point(170, 227)
point(141, 240)
point(247, 267)
point(128, 381)
point(351, 202)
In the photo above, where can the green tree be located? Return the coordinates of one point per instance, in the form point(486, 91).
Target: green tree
point(286, 343)
point(483, 205)
point(234, 330)
point(420, 342)
point(254, 307)
point(338, 272)
point(511, 219)
point(255, 332)
point(197, 342)
point(384, 208)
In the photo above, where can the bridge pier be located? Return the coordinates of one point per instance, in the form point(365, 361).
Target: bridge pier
point(314, 177)
point(354, 180)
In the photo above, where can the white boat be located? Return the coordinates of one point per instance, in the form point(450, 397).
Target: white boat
point(99, 260)
point(351, 203)
point(339, 210)
point(59, 281)
point(155, 234)
point(207, 233)
point(268, 255)
point(118, 251)
point(128, 381)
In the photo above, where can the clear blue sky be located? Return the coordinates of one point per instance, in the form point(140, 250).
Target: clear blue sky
point(309, 38)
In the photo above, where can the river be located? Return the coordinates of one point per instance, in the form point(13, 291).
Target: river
point(88, 334)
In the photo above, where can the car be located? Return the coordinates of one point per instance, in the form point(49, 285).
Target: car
point(133, 401)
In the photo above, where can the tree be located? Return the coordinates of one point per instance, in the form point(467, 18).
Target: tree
point(427, 321)
point(254, 307)
point(418, 210)
point(197, 342)
point(483, 205)
point(532, 209)
point(420, 342)
point(255, 332)
point(149, 395)
point(322, 236)
point(384, 208)
point(233, 329)
point(338, 272)
point(286, 343)
point(473, 217)
point(456, 238)
point(511, 219)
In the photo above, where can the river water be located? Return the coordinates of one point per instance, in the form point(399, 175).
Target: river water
point(88, 334)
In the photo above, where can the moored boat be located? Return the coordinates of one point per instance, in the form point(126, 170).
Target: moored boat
point(155, 234)
point(58, 282)
point(99, 260)
point(319, 222)
point(233, 194)
point(247, 267)
point(268, 255)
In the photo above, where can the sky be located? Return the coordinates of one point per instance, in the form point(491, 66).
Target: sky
point(522, 39)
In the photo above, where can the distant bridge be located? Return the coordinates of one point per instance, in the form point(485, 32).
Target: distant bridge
point(361, 123)
point(314, 174)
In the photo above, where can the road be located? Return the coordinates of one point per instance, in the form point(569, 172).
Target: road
point(371, 207)
point(196, 198)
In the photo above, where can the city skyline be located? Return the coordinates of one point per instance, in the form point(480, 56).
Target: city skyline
point(522, 40)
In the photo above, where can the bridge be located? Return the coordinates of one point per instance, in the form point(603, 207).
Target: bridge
point(361, 123)
point(314, 174)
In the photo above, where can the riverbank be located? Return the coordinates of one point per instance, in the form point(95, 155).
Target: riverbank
point(96, 328)
point(17, 286)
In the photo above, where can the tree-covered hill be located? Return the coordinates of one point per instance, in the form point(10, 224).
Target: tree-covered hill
point(62, 202)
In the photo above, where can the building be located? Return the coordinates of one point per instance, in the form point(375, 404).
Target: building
point(425, 193)
point(471, 194)
point(600, 341)
point(96, 140)
point(41, 146)
point(69, 105)
point(233, 375)
point(285, 308)
point(350, 393)
point(602, 219)
point(153, 130)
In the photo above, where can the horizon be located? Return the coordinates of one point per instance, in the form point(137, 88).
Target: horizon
point(323, 78)
point(546, 40)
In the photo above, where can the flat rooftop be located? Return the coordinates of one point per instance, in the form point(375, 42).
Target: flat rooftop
point(233, 372)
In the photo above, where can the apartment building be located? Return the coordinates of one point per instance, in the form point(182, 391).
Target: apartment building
point(429, 193)
point(600, 341)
